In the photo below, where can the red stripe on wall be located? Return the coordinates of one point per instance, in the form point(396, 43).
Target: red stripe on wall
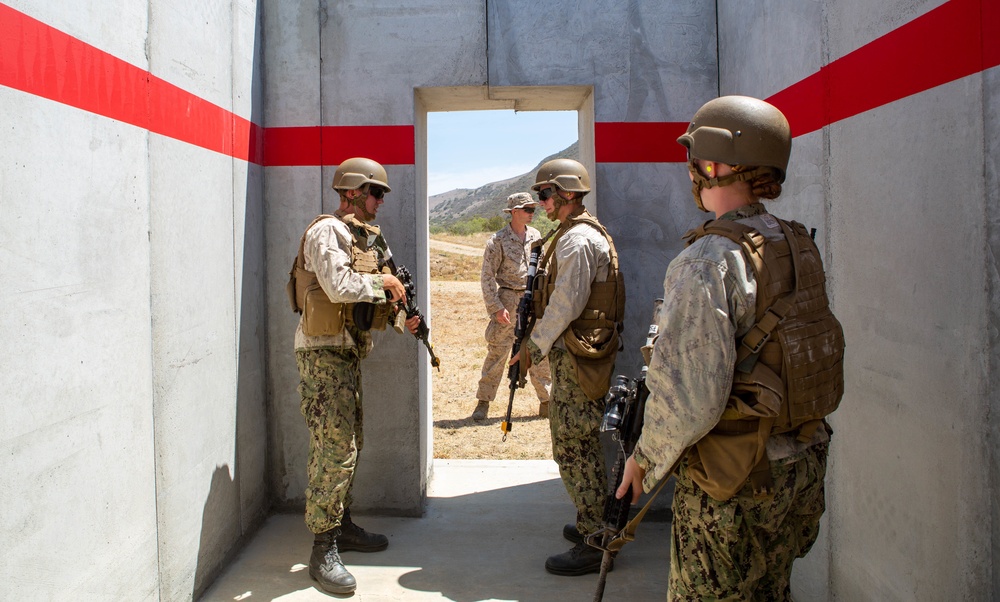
point(638, 142)
point(40, 60)
point(330, 145)
point(955, 40)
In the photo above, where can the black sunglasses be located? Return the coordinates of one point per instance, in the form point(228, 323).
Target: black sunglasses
point(528, 209)
point(545, 193)
point(376, 191)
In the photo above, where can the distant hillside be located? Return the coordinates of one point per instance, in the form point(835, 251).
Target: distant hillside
point(489, 199)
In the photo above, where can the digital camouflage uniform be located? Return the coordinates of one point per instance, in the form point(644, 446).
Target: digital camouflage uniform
point(330, 376)
point(741, 548)
point(505, 267)
point(583, 257)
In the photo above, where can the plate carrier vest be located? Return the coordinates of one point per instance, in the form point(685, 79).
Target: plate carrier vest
point(593, 338)
point(789, 366)
point(320, 316)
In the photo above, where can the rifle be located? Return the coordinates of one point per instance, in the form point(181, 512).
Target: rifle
point(525, 312)
point(623, 418)
point(410, 306)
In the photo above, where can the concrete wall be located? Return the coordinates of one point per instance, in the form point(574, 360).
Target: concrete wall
point(132, 414)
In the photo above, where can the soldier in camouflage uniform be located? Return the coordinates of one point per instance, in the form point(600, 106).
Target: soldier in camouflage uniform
point(505, 267)
point(579, 258)
point(735, 531)
point(329, 361)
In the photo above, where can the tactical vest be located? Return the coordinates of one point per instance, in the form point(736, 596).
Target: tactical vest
point(593, 338)
point(789, 366)
point(320, 316)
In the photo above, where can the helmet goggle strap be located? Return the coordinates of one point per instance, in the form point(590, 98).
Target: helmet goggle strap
point(701, 182)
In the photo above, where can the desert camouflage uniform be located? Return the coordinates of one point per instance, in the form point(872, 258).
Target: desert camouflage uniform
point(583, 257)
point(505, 267)
point(709, 302)
point(330, 377)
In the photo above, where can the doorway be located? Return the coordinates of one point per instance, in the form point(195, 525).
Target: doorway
point(462, 196)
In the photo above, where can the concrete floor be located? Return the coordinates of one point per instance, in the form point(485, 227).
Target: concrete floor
point(487, 530)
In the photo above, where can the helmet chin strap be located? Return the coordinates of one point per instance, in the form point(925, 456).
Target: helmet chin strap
point(699, 182)
point(360, 203)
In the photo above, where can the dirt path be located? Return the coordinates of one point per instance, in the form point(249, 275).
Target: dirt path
point(450, 247)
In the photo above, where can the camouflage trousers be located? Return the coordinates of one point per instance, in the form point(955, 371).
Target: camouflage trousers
point(330, 386)
point(575, 424)
point(499, 340)
point(743, 548)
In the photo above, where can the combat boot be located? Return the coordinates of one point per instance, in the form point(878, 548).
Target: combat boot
point(579, 560)
point(353, 538)
point(481, 411)
point(326, 567)
point(571, 533)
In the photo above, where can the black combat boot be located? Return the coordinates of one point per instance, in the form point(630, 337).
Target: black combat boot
point(571, 533)
point(326, 567)
point(579, 560)
point(354, 538)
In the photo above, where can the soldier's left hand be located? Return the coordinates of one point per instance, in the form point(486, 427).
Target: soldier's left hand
point(412, 324)
point(632, 475)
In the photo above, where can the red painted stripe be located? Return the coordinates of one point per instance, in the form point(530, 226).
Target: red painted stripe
point(638, 142)
point(330, 145)
point(40, 60)
point(955, 40)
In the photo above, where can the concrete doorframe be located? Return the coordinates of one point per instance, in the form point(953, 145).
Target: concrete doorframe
point(484, 98)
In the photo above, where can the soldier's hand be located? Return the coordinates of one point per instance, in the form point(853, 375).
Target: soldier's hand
point(503, 316)
point(394, 289)
point(412, 324)
point(631, 476)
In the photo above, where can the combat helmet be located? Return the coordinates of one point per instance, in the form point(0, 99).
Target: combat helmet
point(357, 172)
point(564, 174)
point(740, 130)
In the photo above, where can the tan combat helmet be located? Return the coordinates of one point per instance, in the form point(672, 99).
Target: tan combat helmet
point(740, 130)
point(564, 174)
point(358, 171)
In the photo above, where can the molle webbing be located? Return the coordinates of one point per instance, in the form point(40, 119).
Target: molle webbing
point(789, 365)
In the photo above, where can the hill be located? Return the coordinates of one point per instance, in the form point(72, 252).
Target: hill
point(488, 200)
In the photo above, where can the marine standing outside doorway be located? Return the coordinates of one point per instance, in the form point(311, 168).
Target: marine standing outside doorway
point(505, 268)
point(343, 292)
point(747, 365)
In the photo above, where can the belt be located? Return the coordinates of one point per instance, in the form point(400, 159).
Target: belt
point(516, 290)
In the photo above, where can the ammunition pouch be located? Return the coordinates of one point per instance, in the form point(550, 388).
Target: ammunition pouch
point(736, 449)
point(592, 349)
point(370, 316)
point(541, 291)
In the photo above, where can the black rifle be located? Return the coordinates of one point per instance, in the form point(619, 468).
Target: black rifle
point(410, 307)
point(525, 311)
point(623, 418)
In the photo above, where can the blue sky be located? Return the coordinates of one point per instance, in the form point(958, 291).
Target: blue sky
point(466, 149)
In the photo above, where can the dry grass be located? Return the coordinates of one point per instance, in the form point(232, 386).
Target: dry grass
point(459, 320)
